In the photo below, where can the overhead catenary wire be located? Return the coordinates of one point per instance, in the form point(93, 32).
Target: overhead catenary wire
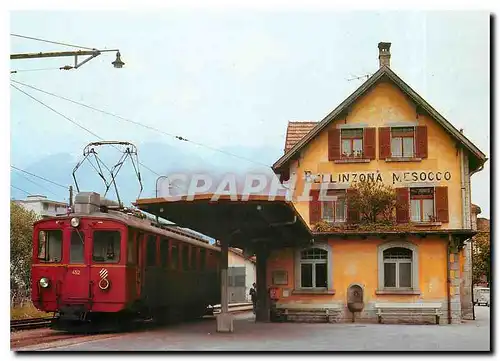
point(76, 123)
point(50, 41)
point(38, 185)
point(37, 176)
point(22, 190)
point(139, 124)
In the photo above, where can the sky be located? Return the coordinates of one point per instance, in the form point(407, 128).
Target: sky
point(230, 80)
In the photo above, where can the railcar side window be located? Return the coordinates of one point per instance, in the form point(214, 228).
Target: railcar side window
point(185, 257)
point(175, 256)
point(76, 251)
point(203, 258)
point(50, 245)
point(106, 247)
point(164, 252)
point(151, 251)
point(194, 251)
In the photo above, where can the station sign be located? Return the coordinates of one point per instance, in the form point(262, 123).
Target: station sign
point(386, 177)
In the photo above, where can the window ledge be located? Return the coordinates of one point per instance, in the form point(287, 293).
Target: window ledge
point(426, 224)
point(397, 292)
point(352, 160)
point(334, 224)
point(313, 292)
point(403, 159)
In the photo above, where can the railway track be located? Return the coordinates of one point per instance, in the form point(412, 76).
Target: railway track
point(30, 323)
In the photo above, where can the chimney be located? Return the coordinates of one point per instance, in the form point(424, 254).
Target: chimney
point(384, 54)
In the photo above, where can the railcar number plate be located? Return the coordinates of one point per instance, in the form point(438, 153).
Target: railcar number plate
point(76, 272)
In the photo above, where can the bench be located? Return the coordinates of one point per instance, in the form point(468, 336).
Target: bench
point(408, 309)
point(327, 311)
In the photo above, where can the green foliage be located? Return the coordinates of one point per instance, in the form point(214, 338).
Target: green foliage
point(365, 226)
point(373, 200)
point(21, 245)
point(481, 258)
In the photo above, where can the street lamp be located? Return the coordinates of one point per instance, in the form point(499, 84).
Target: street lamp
point(118, 63)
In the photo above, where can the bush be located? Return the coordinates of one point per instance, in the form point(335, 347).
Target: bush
point(21, 248)
point(374, 201)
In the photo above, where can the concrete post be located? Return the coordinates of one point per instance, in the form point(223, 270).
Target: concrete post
point(263, 304)
point(224, 319)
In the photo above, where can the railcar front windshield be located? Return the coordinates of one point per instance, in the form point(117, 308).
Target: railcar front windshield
point(50, 245)
point(106, 247)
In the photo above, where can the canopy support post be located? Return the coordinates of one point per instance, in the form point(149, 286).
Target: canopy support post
point(224, 318)
point(263, 301)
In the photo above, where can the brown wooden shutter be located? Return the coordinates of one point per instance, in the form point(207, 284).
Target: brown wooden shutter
point(334, 144)
point(402, 205)
point(384, 142)
point(421, 141)
point(314, 207)
point(369, 143)
point(441, 199)
point(352, 215)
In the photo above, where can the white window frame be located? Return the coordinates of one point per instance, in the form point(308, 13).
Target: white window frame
point(351, 142)
point(414, 265)
point(329, 264)
point(334, 209)
point(433, 206)
point(397, 262)
point(402, 142)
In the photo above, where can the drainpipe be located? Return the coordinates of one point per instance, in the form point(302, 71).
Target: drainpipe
point(448, 280)
point(462, 186)
point(472, 281)
point(472, 252)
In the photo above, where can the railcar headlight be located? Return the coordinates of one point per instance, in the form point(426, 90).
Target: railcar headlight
point(44, 282)
point(75, 222)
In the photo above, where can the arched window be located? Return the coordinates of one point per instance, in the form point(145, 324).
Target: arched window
point(313, 268)
point(398, 266)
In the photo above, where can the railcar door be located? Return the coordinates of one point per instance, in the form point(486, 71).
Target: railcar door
point(77, 279)
point(149, 279)
point(140, 263)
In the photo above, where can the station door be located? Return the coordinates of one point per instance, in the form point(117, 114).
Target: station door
point(237, 284)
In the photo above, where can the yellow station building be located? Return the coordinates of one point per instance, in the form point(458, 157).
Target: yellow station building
point(383, 132)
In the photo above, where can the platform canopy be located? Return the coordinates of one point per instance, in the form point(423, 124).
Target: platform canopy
point(242, 223)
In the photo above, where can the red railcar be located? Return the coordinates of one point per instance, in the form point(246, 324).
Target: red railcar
point(99, 262)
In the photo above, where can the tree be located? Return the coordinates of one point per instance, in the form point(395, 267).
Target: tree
point(21, 246)
point(373, 200)
point(481, 257)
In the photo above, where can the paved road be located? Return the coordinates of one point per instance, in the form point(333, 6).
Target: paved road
point(248, 335)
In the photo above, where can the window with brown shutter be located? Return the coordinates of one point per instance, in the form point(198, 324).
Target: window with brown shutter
point(384, 141)
point(421, 141)
point(369, 143)
point(442, 213)
point(403, 207)
point(334, 211)
point(314, 207)
point(402, 142)
point(351, 143)
point(334, 144)
point(422, 204)
point(352, 215)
